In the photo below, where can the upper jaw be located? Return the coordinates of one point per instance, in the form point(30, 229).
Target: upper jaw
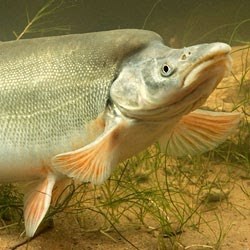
point(220, 62)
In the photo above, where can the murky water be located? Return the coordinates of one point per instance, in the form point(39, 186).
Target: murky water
point(180, 22)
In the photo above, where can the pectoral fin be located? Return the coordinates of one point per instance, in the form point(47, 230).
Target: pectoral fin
point(37, 202)
point(198, 132)
point(94, 162)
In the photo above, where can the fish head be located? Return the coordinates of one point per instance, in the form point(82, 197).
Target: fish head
point(159, 82)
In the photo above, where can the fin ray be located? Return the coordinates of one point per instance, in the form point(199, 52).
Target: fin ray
point(37, 202)
point(94, 162)
point(199, 132)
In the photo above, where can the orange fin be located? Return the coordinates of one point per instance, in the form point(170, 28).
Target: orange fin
point(37, 202)
point(94, 162)
point(61, 191)
point(199, 132)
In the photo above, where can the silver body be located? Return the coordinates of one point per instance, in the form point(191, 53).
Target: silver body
point(75, 106)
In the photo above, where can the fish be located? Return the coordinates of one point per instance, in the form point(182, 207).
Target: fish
point(75, 106)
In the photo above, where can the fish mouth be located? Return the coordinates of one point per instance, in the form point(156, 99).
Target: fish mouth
point(214, 65)
point(199, 81)
point(205, 75)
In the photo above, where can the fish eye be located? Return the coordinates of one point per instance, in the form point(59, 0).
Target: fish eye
point(166, 70)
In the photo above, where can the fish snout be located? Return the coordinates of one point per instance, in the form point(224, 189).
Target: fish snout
point(205, 61)
point(204, 52)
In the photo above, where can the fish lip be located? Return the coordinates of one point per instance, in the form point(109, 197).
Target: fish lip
point(219, 52)
point(206, 63)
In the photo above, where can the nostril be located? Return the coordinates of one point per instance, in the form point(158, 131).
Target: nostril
point(183, 57)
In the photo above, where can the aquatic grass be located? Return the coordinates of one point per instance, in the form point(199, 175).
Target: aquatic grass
point(40, 23)
point(140, 202)
point(11, 206)
point(230, 31)
point(163, 204)
point(236, 150)
point(241, 23)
